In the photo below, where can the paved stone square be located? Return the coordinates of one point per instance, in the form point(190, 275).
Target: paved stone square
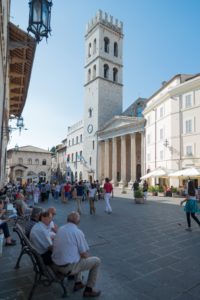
point(145, 251)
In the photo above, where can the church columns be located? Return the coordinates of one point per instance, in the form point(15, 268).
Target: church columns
point(114, 161)
point(133, 159)
point(99, 161)
point(142, 154)
point(106, 159)
point(122, 183)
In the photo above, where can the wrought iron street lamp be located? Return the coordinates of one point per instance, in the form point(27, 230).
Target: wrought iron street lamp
point(39, 18)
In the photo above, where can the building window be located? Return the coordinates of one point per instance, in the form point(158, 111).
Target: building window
point(106, 71)
point(89, 75)
point(94, 71)
point(76, 157)
point(161, 134)
point(90, 112)
point(68, 158)
point(37, 161)
point(94, 46)
point(93, 145)
point(81, 138)
point(69, 143)
point(72, 157)
point(116, 49)
point(161, 155)
point(148, 139)
point(189, 150)
point(44, 162)
point(106, 44)
point(29, 161)
point(77, 139)
point(161, 112)
point(20, 160)
point(89, 49)
point(188, 126)
point(90, 160)
point(73, 141)
point(115, 74)
point(188, 101)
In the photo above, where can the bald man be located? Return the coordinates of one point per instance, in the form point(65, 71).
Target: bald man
point(70, 255)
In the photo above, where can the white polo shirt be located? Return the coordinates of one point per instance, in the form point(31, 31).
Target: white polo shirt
point(40, 237)
point(69, 242)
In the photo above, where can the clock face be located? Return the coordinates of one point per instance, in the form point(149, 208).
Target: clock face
point(90, 128)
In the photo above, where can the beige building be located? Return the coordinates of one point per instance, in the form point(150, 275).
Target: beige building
point(29, 164)
point(173, 125)
point(17, 49)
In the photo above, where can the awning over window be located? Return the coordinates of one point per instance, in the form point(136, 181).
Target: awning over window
point(21, 55)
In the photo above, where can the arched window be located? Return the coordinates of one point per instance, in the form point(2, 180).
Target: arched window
point(42, 176)
point(44, 162)
point(89, 49)
point(69, 143)
point(94, 71)
point(20, 160)
point(19, 173)
point(37, 161)
point(106, 71)
point(106, 44)
point(90, 160)
point(81, 138)
point(90, 112)
point(72, 157)
point(29, 161)
point(77, 140)
point(94, 46)
point(116, 49)
point(80, 176)
point(73, 141)
point(89, 75)
point(115, 74)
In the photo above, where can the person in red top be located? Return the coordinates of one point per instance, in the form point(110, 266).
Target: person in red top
point(108, 189)
point(67, 189)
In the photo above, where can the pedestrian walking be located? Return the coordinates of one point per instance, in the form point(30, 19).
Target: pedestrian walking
point(191, 206)
point(145, 190)
point(92, 195)
point(80, 194)
point(108, 188)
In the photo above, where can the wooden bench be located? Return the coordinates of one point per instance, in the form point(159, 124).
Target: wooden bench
point(44, 274)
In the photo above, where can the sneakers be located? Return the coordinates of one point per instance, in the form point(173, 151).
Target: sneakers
point(91, 293)
point(188, 229)
point(78, 286)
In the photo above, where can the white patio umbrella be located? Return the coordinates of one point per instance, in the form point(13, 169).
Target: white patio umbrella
point(159, 172)
point(189, 172)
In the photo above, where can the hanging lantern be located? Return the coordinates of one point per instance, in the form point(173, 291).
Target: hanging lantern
point(39, 18)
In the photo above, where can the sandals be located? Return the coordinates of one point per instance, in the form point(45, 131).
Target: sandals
point(12, 243)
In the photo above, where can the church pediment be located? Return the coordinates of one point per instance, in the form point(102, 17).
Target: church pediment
point(119, 122)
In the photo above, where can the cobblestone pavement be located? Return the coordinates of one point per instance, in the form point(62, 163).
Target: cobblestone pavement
point(145, 251)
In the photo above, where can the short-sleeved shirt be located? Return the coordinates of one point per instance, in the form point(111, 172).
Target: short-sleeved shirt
point(80, 190)
point(40, 237)
point(108, 187)
point(69, 242)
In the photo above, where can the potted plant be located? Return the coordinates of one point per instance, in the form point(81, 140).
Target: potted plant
point(139, 198)
point(174, 191)
point(161, 191)
point(151, 190)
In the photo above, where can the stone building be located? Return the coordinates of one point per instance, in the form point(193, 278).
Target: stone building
point(29, 164)
point(17, 49)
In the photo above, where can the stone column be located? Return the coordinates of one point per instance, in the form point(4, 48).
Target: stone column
point(142, 154)
point(114, 161)
point(133, 160)
point(99, 161)
point(106, 159)
point(122, 183)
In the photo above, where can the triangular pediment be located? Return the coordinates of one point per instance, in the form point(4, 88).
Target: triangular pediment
point(119, 122)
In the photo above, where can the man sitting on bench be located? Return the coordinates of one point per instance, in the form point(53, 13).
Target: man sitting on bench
point(40, 237)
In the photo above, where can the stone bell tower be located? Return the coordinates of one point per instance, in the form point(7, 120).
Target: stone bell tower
point(103, 83)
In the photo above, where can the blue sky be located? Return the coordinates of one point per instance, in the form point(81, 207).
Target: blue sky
point(161, 39)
